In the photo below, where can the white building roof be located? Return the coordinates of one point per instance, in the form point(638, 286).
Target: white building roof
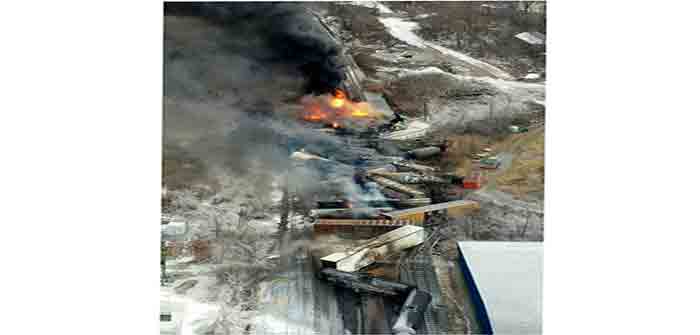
point(508, 277)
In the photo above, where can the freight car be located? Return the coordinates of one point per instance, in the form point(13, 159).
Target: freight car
point(415, 303)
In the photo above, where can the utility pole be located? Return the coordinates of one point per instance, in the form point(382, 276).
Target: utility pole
point(284, 206)
point(425, 111)
point(527, 221)
point(163, 253)
point(217, 228)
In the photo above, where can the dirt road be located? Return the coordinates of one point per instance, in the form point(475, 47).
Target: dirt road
point(403, 29)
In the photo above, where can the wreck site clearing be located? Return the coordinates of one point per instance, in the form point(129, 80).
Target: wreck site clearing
point(420, 147)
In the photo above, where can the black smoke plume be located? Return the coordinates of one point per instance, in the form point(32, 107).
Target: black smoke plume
point(233, 74)
point(289, 28)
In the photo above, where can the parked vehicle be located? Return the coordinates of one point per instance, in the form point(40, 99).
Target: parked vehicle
point(517, 129)
point(493, 162)
point(482, 155)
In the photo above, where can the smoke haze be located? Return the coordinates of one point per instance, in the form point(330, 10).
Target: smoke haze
point(231, 72)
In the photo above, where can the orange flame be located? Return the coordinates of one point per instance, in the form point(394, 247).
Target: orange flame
point(338, 99)
point(359, 113)
point(314, 114)
point(334, 110)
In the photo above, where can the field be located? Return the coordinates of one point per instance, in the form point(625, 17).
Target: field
point(525, 176)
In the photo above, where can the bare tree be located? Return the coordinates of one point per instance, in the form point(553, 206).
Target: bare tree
point(242, 249)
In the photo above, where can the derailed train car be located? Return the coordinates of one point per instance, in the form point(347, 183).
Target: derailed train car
point(415, 300)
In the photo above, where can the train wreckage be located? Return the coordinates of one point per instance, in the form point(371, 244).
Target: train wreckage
point(381, 203)
point(380, 206)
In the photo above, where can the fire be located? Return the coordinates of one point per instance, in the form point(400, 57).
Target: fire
point(314, 114)
point(336, 110)
point(338, 99)
point(359, 113)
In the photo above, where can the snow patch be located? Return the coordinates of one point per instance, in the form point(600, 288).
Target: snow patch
point(425, 70)
point(371, 4)
point(267, 225)
point(473, 61)
point(424, 16)
point(403, 30)
point(493, 97)
point(270, 324)
point(532, 38)
point(188, 316)
point(500, 83)
point(414, 129)
point(174, 230)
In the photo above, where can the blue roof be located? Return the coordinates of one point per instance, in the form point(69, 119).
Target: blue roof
point(505, 279)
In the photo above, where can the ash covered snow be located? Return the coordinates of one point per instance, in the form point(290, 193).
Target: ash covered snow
point(456, 100)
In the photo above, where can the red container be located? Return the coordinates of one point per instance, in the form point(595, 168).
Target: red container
point(473, 182)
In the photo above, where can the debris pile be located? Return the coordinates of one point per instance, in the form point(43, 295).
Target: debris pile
point(376, 249)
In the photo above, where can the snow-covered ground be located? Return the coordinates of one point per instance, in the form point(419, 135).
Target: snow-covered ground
point(372, 4)
point(187, 316)
point(414, 129)
point(475, 98)
point(498, 73)
point(403, 30)
point(268, 324)
point(194, 293)
point(424, 16)
point(497, 82)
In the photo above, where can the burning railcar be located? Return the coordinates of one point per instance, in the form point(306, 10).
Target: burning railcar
point(337, 111)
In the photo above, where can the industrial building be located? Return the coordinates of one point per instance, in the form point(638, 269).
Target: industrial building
point(504, 286)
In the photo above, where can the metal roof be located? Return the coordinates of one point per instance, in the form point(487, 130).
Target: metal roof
point(532, 37)
point(508, 278)
point(430, 208)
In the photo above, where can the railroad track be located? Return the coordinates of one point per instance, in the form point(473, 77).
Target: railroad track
point(421, 277)
point(416, 268)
